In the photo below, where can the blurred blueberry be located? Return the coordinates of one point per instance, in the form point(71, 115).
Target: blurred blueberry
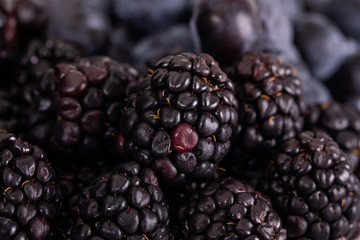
point(293, 8)
point(322, 45)
point(120, 45)
point(240, 26)
point(347, 15)
point(104, 6)
point(148, 16)
point(226, 28)
point(315, 91)
point(277, 29)
point(84, 27)
point(160, 44)
point(317, 5)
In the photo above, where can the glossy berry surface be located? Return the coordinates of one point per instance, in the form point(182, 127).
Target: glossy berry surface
point(314, 189)
point(230, 210)
point(184, 138)
point(271, 104)
point(182, 126)
point(42, 55)
point(77, 106)
point(234, 25)
point(341, 122)
point(29, 205)
point(126, 203)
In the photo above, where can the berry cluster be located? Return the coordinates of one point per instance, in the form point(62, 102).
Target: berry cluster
point(179, 120)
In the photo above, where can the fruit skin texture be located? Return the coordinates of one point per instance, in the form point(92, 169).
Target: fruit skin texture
point(126, 203)
point(314, 189)
point(77, 107)
point(230, 210)
point(271, 105)
point(29, 202)
point(341, 122)
point(187, 92)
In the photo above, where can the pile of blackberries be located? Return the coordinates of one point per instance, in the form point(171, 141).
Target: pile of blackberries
point(179, 120)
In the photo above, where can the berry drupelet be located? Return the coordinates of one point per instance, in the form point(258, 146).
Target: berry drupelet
point(230, 209)
point(313, 188)
point(29, 202)
point(72, 180)
point(271, 105)
point(42, 55)
point(126, 203)
point(341, 122)
point(77, 106)
point(182, 126)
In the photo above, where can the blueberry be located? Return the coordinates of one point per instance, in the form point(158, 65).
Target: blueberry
point(175, 38)
point(149, 16)
point(321, 43)
point(84, 27)
point(232, 24)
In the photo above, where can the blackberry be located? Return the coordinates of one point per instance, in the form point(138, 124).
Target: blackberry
point(72, 180)
point(230, 210)
point(182, 126)
point(126, 203)
point(41, 55)
point(313, 188)
point(29, 203)
point(341, 122)
point(77, 107)
point(271, 105)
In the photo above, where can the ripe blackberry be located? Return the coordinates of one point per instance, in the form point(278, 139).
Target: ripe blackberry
point(126, 203)
point(70, 181)
point(29, 201)
point(341, 122)
point(76, 108)
point(182, 126)
point(271, 105)
point(230, 210)
point(42, 55)
point(313, 188)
